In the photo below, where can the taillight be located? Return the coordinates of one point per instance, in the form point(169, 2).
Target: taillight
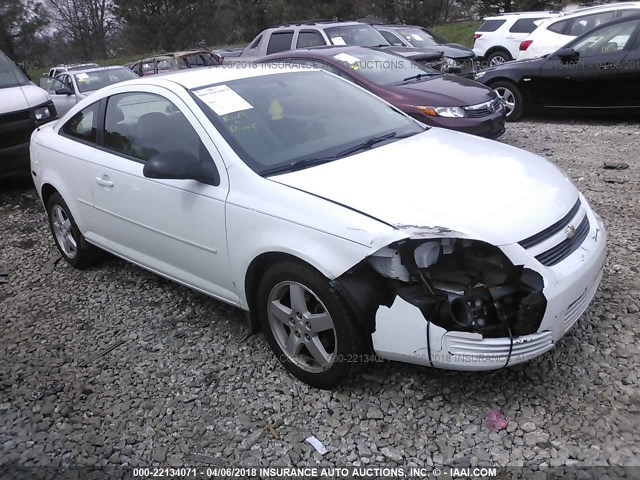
point(525, 44)
point(476, 36)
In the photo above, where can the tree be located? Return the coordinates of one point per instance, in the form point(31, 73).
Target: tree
point(87, 22)
point(20, 24)
point(167, 24)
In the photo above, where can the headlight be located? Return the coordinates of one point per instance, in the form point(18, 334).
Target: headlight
point(449, 65)
point(449, 112)
point(45, 112)
point(479, 75)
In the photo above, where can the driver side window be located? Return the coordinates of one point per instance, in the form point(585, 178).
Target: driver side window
point(606, 40)
point(141, 125)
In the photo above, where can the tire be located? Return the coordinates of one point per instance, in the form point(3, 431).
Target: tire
point(498, 57)
point(512, 97)
point(322, 357)
point(70, 242)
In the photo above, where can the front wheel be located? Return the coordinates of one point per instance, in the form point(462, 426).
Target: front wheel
point(511, 97)
point(72, 245)
point(308, 325)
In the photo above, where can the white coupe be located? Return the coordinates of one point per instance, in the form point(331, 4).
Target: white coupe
point(346, 228)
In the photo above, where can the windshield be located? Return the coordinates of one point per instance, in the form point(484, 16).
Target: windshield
point(273, 121)
point(418, 37)
point(362, 35)
point(382, 68)
point(10, 74)
point(90, 81)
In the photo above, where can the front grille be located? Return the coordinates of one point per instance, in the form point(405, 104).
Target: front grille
point(483, 109)
point(552, 230)
point(565, 248)
point(16, 128)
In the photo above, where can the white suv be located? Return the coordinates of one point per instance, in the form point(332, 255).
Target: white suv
point(554, 33)
point(498, 38)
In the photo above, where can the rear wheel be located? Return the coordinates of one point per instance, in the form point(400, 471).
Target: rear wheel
point(72, 245)
point(511, 97)
point(308, 325)
point(498, 58)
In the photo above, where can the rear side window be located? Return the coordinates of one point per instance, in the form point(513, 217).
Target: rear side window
point(626, 13)
point(524, 25)
point(83, 125)
point(311, 38)
point(558, 27)
point(581, 25)
point(279, 42)
point(491, 25)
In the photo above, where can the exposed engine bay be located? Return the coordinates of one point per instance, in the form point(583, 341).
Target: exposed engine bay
point(458, 284)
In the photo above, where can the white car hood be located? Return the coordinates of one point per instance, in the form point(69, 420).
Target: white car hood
point(14, 99)
point(443, 180)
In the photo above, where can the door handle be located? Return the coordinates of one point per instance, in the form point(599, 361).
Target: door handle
point(104, 181)
point(607, 66)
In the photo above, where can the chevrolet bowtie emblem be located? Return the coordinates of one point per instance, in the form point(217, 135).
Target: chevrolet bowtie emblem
point(570, 232)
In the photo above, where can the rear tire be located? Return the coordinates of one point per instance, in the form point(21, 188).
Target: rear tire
point(308, 325)
point(72, 245)
point(511, 97)
point(498, 58)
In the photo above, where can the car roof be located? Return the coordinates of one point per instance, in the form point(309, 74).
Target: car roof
point(597, 8)
point(97, 69)
point(518, 15)
point(201, 77)
point(397, 26)
point(317, 23)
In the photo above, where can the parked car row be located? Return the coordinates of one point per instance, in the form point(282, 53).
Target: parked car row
point(597, 72)
point(342, 225)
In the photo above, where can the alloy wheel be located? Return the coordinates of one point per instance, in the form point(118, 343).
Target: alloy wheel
point(63, 231)
point(302, 326)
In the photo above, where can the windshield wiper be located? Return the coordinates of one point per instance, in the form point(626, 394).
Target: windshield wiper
point(311, 162)
point(366, 145)
point(421, 75)
point(297, 165)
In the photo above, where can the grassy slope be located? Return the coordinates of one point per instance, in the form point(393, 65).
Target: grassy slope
point(460, 32)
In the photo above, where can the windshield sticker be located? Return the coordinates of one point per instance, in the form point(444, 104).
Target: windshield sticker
point(345, 57)
point(417, 37)
point(81, 77)
point(222, 100)
point(338, 41)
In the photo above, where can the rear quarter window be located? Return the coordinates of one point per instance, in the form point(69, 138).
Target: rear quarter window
point(524, 25)
point(279, 42)
point(491, 25)
point(558, 27)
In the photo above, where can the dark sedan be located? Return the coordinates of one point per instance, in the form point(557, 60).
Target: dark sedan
point(597, 72)
point(457, 58)
point(429, 96)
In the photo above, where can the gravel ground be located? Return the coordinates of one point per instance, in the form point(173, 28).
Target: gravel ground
point(117, 366)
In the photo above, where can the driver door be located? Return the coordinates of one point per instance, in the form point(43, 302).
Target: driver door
point(63, 101)
point(590, 78)
point(173, 227)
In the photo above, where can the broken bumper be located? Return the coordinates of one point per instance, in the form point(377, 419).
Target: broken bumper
point(569, 288)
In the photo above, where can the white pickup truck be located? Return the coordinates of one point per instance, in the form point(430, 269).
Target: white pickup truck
point(23, 107)
point(290, 36)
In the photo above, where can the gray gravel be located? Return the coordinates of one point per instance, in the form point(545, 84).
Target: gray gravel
point(118, 366)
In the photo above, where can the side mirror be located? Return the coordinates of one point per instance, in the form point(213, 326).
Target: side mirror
point(64, 91)
point(181, 165)
point(568, 55)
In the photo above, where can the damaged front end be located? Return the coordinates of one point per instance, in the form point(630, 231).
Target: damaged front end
point(457, 284)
